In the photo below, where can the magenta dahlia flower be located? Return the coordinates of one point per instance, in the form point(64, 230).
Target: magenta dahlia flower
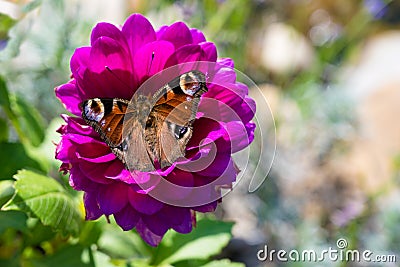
point(135, 52)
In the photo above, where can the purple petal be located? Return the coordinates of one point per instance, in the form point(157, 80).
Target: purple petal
point(94, 152)
point(247, 109)
point(66, 151)
point(219, 110)
point(181, 178)
point(161, 31)
point(112, 198)
point(151, 59)
point(68, 94)
point(218, 166)
point(224, 76)
point(155, 224)
point(227, 97)
point(226, 62)
point(109, 58)
point(127, 218)
point(205, 130)
point(238, 134)
point(151, 238)
point(116, 171)
point(113, 83)
point(197, 36)
point(187, 53)
point(178, 217)
point(143, 203)
point(138, 32)
point(206, 208)
point(84, 139)
point(185, 227)
point(175, 215)
point(104, 29)
point(79, 60)
point(79, 181)
point(95, 171)
point(92, 209)
point(78, 126)
point(178, 34)
point(176, 186)
point(210, 51)
point(108, 52)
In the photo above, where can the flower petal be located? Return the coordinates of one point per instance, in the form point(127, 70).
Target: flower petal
point(197, 36)
point(207, 207)
point(143, 203)
point(92, 209)
point(104, 29)
point(79, 60)
point(77, 126)
point(69, 97)
point(79, 181)
point(95, 171)
point(127, 218)
point(151, 238)
point(178, 34)
point(109, 70)
point(210, 51)
point(155, 224)
point(138, 32)
point(187, 53)
point(151, 59)
point(112, 197)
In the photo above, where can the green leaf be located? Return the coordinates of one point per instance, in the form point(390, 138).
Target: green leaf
point(6, 23)
point(13, 157)
point(13, 262)
point(119, 244)
point(13, 219)
point(31, 122)
point(31, 6)
point(46, 199)
point(6, 191)
point(90, 233)
point(44, 153)
point(4, 95)
point(38, 233)
point(3, 130)
point(206, 240)
point(103, 260)
point(65, 257)
point(223, 263)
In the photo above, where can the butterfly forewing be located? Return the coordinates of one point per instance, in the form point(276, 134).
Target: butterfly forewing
point(175, 110)
point(106, 116)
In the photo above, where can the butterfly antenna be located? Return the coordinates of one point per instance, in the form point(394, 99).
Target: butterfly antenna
point(151, 63)
point(118, 78)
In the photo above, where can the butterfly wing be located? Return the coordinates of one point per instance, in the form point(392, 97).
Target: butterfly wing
point(106, 116)
point(171, 119)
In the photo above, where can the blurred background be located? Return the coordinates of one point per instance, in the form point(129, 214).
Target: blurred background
point(331, 74)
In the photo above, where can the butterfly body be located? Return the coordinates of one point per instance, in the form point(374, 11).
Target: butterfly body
point(149, 132)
